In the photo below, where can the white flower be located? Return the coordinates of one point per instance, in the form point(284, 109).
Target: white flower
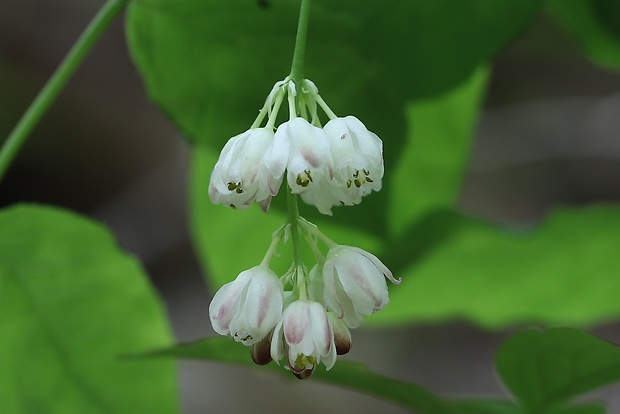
point(304, 336)
point(240, 175)
point(248, 307)
point(354, 283)
point(303, 150)
point(358, 158)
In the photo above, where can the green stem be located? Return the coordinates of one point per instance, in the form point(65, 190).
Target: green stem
point(297, 68)
point(293, 219)
point(57, 82)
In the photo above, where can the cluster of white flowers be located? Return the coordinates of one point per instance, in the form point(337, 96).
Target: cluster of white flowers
point(303, 316)
point(334, 165)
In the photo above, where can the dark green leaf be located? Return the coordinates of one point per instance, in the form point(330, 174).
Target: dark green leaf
point(545, 369)
point(577, 409)
point(203, 56)
point(346, 374)
point(595, 24)
point(434, 45)
point(71, 303)
point(564, 272)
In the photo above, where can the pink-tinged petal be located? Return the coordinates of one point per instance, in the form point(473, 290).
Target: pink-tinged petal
point(276, 158)
point(321, 329)
point(355, 283)
point(378, 264)
point(363, 284)
point(263, 303)
point(225, 302)
point(296, 323)
point(309, 146)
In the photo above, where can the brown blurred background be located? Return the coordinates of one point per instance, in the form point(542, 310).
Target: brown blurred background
point(549, 136)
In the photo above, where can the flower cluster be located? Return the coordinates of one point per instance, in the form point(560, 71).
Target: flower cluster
point(304, 315)
point(337, 164)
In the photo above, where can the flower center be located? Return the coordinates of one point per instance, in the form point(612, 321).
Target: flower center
point(303, 362)
point(358, 179)
point(236, 187)
point(304, 179)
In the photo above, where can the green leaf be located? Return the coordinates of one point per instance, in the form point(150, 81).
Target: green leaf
point(577, 409)
point(434, 45)
point(201, 56)
point(429, 171)
point(595, 24)
point(545, 369)
point(563, 272)
point(347, 374)
point(71, 303)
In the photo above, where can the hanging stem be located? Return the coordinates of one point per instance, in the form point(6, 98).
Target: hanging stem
point(59, 79)
point(293, 219)
point(298, 266)
point(297, 67)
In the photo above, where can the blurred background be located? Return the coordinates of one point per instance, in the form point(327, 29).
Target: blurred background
point(548, 137)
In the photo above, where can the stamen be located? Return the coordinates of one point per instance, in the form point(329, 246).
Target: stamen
point(302, 182)
point(237, 187)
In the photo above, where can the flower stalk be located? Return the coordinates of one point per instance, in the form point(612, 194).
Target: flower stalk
point(102, 20)
point(297, 67)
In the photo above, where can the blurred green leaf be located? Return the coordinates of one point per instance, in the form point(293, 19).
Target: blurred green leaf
point(71, 303)
point(430, 169)
point(196, 54)
point(577, 409)
point(565, 271)
point(346, 374)
point(595, 24)
point(545, 369)
point(431, 46)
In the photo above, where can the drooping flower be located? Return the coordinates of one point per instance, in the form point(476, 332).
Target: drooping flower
point(358, 158)
point(304, 337)
point(354, 283)
point(249, 307)
point(303, 150)
point(240, 175)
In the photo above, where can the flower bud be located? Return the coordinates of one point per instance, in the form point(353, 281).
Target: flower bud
point(342, 335)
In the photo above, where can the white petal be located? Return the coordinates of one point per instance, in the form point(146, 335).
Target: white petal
point(263, 304)
point(224, 304)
